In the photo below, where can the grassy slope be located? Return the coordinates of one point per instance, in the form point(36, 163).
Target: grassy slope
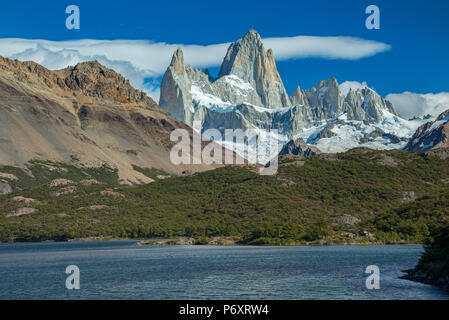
point(302, 204)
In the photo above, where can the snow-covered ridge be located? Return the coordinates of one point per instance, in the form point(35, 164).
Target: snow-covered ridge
point(210, 101)
point(215, 103)
point(392, 132)
point(238, 83)
point(433, 134)
point(343, 133)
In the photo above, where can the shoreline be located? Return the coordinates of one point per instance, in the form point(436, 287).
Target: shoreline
point(161, 242)
point(422, 277)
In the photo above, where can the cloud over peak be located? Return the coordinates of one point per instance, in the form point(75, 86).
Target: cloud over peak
point(347, 48)
point(409, 104)
point(142, 61)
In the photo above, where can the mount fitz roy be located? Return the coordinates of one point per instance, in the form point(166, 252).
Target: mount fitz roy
point(249, 94)
point(91, 116)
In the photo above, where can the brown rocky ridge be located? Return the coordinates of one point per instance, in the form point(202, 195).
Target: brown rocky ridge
point(87, 112)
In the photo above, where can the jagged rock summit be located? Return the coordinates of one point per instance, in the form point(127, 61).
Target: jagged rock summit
point(90, 79)
point(249, 94)
point(248, 75)
point(175, 89)
point(327, 101)
point(249, 61)
point(95, 80)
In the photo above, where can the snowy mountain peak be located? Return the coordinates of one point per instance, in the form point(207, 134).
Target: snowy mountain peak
point(177, 61)
point(332, 82)
point(249, 94)
point(247, 59)
point(328, 100)
point(175, 88)
point(297, 97)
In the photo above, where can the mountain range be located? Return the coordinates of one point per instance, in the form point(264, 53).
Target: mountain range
point(248, 93)
point(90, 116)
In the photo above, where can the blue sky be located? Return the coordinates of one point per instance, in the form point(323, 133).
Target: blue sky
point(416, 30)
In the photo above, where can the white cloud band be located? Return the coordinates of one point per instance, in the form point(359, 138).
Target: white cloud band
point(143, 61)
point(138, 60)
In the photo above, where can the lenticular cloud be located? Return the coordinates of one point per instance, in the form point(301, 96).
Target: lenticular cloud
point(143, 62)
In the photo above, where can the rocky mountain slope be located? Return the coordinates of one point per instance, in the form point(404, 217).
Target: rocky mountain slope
point(249, 94)
point(431, 135)
point(298, 148)
point(88, 115)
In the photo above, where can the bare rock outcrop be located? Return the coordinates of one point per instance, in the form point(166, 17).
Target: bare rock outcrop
point(60, 182)
point(90, 182)
point(431, 135)
point(64, 191)
point(408, 196)
point(348, 219)
point(5, 188)
point(8, 176)
point(20, 212)
point(298, 148)
point(25, 200)
point(113, 194)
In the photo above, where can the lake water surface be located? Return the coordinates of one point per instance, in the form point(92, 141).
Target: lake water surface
point(122, 270)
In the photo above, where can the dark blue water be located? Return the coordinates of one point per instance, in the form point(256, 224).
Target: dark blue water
point(121, 270)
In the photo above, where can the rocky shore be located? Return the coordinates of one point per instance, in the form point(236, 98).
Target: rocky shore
point(183, 241)
point(427, 278)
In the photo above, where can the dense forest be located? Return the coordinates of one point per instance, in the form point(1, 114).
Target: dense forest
point(361, 196)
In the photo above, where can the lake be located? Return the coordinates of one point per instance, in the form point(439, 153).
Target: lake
point(122, 270)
